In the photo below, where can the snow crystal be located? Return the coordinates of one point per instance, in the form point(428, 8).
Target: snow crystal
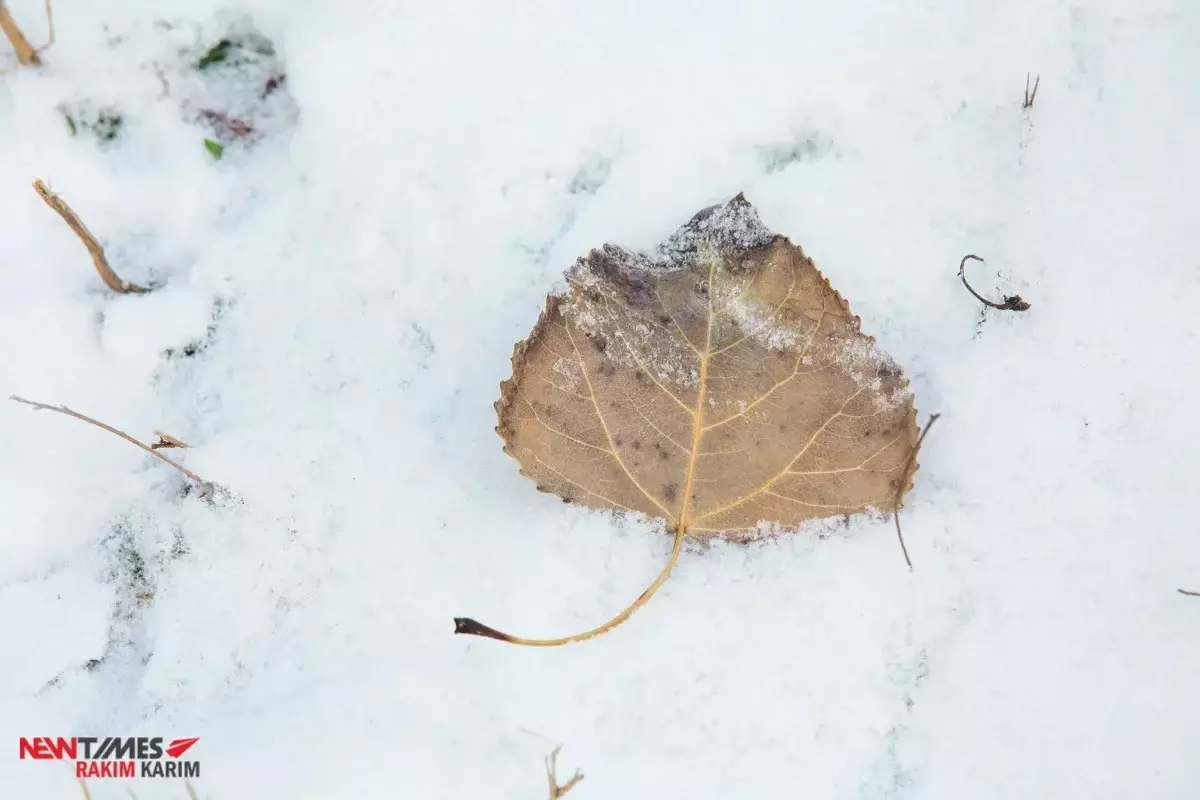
point(759, 323)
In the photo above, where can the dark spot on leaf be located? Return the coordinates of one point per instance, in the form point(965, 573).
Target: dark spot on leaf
point(671, 491)
point(606, 369)
point(637, 445)
point(701, 288)
point(598, 341)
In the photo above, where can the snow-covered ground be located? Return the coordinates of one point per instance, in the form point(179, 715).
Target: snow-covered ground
point(339, 296)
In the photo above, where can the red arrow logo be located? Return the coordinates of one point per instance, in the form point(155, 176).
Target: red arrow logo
point(178, 747)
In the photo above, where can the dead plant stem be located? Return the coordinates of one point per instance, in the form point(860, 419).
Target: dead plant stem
point(94, 248)
point(148, 448)
point(27, 54)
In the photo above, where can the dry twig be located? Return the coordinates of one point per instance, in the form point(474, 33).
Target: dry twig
point(166, 440)
point(1189, 594)
point(904, 476)
point(27, 54)
point(1031, 96)
point(110, 278)
point(148, 448)
point(557, 791)
point(1011, 302)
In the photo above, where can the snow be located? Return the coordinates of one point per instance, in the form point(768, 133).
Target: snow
point(422, 179)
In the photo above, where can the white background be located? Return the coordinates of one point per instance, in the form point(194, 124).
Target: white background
point(421, 183)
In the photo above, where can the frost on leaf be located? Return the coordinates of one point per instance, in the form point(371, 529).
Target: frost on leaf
point(720, 384)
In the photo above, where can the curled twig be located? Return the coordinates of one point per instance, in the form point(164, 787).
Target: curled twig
point(110, 278)
point(904, 476)
point(1189, 594)
point(1031, 96)
point(148, 448)
point(557, 791)
point(1011, 303)
point(27, 54)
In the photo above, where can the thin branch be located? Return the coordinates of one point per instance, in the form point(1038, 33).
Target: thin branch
point(1189, 594)
point(1031, 96)
point(469, 627)
point(110, 278)
point(1011, 303)
point(26, 55)
point(83, 786)
point(148, 448)
point(557, 791)
point(904, 477)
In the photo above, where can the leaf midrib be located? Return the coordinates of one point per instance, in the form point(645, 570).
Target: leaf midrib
point(698, 413)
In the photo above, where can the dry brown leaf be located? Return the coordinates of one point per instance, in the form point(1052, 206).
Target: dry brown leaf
point(720, 384)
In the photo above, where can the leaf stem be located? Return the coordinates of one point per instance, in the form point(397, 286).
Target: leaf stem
point(469, 627)
point(904, 476)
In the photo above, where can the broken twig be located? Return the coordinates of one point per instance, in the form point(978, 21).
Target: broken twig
point(110, 278)
point(27, 54)
point(1011, 302)
point(557, 791)
point(1031, 96)
point(1189, 594)
point(904, 476)
point(166, 440)
point(148, 448)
